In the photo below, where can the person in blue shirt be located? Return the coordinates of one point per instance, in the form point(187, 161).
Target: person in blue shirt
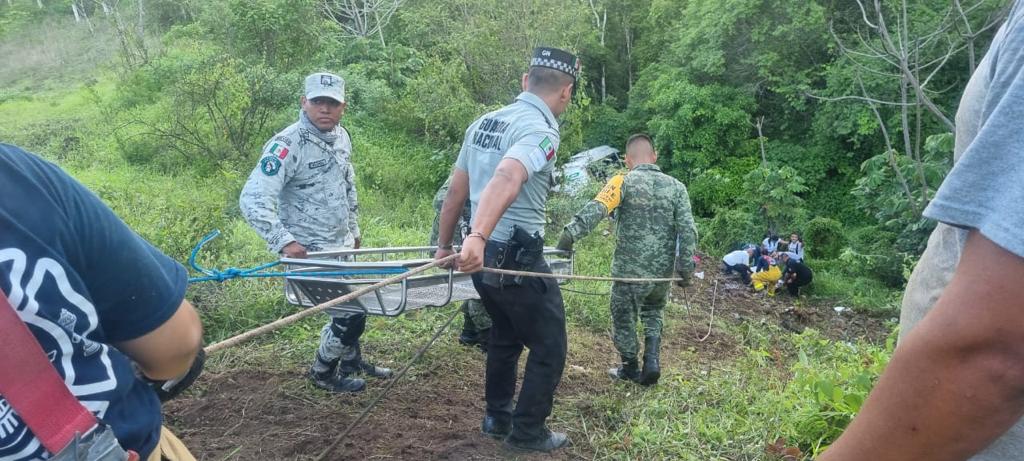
point(102, 303)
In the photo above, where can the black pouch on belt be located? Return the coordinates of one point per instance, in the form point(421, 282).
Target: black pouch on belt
point(529, 250)
point(496, 255)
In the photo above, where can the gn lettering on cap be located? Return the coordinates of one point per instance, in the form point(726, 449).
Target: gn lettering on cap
point(323, 84)
point(557, 59)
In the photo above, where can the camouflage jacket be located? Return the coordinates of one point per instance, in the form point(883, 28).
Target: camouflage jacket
point(303, 189)
point(464, 219)
point(655, 227)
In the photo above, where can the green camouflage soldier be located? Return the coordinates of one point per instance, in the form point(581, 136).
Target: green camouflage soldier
point(655, 229)
point(476, 324)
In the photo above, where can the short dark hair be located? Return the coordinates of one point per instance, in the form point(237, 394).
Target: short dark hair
point(637, 138)
point(547, 80)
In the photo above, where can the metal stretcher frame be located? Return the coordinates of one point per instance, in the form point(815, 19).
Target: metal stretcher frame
point(433, 288)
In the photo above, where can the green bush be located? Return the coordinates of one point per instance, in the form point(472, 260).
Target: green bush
point(872, 249)
point(714, 188)
point(436, 105)
point(728, 228)
point(211, 110)
point(830, 382)
point(773, 190)
point(852, 284)
point(824, 238)
point(395, 164)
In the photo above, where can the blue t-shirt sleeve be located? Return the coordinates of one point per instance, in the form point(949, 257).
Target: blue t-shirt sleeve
point(134, 286)
point(985, 189)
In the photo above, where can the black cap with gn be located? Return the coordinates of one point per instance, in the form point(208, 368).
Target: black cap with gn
point(557, 59)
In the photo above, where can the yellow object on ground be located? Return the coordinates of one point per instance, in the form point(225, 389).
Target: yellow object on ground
point(766, 278)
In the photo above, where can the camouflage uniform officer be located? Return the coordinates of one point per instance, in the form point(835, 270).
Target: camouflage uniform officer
point(476, 324)
point(302, 197)
point(655, 227)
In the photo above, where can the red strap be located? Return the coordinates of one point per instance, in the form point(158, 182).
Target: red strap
point(34, 389)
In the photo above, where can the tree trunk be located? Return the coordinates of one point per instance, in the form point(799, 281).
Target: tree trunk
point(629, 58)
point(890, 152)
point(604, 86)
point(760, 140)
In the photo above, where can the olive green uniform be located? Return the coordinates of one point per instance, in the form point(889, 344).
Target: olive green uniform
point(655, 233)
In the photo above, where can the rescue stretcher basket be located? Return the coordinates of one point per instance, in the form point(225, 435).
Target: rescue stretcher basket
point(432, 288)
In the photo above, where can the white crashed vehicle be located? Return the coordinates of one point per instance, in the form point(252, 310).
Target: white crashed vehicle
point(593, 165)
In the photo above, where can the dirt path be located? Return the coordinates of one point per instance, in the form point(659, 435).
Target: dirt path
point(435, 412)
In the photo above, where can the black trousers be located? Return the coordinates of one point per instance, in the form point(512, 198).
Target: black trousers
point(742, 269)
point(794, 287)
point(531, 315)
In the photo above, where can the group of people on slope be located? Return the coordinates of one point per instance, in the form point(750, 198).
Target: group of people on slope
point(772, 264)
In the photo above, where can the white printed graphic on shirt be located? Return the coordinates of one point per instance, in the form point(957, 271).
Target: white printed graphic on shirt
point(64, 341)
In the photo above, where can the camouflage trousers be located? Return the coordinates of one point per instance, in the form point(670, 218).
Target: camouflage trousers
point(632, 300)
point(475, 315)
point(339, 340)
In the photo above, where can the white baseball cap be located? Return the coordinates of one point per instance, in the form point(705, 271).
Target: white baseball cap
point(323, 84)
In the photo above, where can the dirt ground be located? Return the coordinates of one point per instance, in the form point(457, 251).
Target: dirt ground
point(434, 414)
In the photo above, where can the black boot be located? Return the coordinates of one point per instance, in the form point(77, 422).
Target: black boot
point(357, 365)
point(547, 443)
point(629, 371)
point(469, 335)
point(332, 381)
point(496, 428)
point(483, 338)
point(652, 369)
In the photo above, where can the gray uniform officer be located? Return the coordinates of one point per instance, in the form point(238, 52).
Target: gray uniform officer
point(301, 197)
point(505, 168)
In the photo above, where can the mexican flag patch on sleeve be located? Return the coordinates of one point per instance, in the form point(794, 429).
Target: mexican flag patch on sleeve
point(280, 150)
point(548, 147)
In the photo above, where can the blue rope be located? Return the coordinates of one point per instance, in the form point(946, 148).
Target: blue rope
point(214, 275)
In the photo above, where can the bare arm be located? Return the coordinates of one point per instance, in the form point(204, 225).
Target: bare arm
point(167, 352)
point(956, 382)
point(500, 192)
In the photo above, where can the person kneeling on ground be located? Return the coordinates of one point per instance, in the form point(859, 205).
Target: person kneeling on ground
point(654, 219)
point(767, 278)
point(738, 261)
point(797, 273)
point(106, 306)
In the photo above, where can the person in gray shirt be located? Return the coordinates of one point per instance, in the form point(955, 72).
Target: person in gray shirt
point(505, 168)
point(954, 389)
